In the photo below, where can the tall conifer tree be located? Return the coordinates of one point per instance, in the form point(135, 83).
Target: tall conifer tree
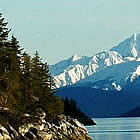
point(14, 74)
point(4, 32)
point(26, 80)
point(26, 85)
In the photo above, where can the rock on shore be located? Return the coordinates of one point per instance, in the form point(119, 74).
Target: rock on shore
point(62, 128)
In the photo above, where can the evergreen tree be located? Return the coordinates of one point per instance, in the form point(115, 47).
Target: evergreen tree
point(26, 85)
point(26, 80)
point(51, 104)
point(4, 31)
point(43, 88)
point(35, 74)
point(13, 74)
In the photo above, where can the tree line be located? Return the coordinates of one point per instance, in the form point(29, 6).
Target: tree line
point(71, 109)
point(26, 85)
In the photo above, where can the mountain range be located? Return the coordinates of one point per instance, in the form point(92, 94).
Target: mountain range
point(106, 84)
point(109, 70)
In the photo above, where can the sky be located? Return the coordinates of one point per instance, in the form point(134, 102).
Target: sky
point(59, 29)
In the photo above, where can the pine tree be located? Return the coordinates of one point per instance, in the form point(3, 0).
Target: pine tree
point(51, 104)
point(26, 80)
point(4, 32)
point(36, 73)
point(13, 74)
point(43, 89)
point(26, 85)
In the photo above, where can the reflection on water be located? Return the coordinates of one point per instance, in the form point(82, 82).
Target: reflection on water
point(115, 129)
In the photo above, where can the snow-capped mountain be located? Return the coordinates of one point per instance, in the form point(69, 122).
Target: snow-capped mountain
point(129, 47)
point(112, 69)
point(115, 77)
point(70, 71)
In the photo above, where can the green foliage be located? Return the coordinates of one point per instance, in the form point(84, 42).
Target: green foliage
point(4, 31)
point(26, 85)
point(3, 42)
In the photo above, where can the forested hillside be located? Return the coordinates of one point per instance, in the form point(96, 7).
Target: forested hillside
point(26, 86)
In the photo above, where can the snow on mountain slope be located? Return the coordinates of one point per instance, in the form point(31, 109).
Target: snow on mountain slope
point(129, 47)
point(119, 63)
point(113, 78)
point(70, 71)
point(135, 74)
point(65, 65)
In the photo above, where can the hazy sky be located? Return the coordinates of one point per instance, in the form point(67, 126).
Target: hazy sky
point(60, 28)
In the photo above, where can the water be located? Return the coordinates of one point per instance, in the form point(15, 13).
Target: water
point(115, 129)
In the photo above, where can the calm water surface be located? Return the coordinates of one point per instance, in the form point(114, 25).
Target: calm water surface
point(115, 129)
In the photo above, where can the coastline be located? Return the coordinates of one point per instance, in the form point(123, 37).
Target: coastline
point(62, 128)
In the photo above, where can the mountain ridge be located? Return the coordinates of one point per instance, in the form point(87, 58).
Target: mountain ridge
point(80, 69)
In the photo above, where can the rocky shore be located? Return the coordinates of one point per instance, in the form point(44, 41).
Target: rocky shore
point(62, 128)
